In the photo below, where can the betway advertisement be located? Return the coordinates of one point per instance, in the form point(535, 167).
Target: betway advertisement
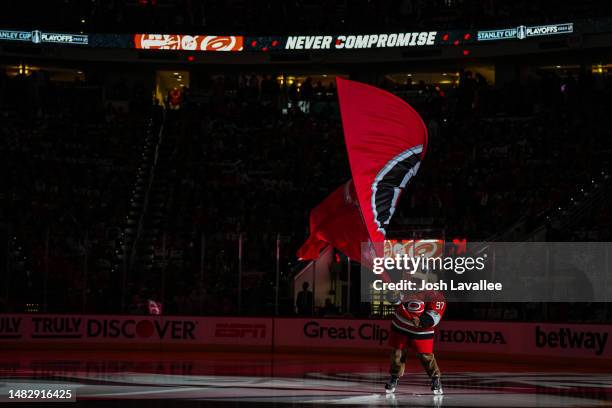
point(350, 335)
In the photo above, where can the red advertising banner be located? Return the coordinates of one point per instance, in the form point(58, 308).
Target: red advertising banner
point(550, 340)
point(188, 42)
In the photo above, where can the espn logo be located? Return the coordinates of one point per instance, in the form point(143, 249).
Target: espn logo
point(240, 330)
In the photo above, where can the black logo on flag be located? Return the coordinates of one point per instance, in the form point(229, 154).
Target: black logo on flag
point(390, 182)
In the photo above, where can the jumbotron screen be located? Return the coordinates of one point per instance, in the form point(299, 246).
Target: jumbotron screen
point(235, 43)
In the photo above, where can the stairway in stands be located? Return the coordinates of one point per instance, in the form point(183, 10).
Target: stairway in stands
point(136, 242)
point(146, 267)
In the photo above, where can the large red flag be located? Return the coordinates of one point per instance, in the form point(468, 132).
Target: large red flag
point(336, 222)
point(386, 140)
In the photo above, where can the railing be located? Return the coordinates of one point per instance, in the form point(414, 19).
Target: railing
point(145, 205)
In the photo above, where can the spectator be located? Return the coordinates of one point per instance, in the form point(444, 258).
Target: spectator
point(304, 301)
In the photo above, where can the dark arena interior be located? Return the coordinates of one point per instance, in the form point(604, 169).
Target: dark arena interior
point(221, 203)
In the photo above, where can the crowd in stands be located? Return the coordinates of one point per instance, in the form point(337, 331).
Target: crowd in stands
point(246, 157)
point(67, 161)
point(276, 17)
point(505, 151)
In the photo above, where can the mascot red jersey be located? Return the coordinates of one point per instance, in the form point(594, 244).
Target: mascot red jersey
point(413, 328)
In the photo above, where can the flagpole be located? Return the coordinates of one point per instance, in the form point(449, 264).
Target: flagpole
point(9, 236)
point(202, 259)
point(314, 284)
point(240, 273)
point(46, 270)
point(277, 274)
point(348, 284)
point(85, 271)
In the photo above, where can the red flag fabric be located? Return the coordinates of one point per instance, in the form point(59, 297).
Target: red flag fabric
point(386, 140)
point(337, 222)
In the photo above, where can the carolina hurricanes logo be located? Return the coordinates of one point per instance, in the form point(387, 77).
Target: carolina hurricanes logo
point(229, 43)
point(390, 182)
point(415, 306)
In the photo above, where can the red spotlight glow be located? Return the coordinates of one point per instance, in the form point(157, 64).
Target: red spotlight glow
point(190, 58)
point(253, 43)
point(466, 52)
point(274, 43)
point(456, 42)
point(445, 37)
point(467, 36)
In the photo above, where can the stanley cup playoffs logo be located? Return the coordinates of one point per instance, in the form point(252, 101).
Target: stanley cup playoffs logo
point(36, 37)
